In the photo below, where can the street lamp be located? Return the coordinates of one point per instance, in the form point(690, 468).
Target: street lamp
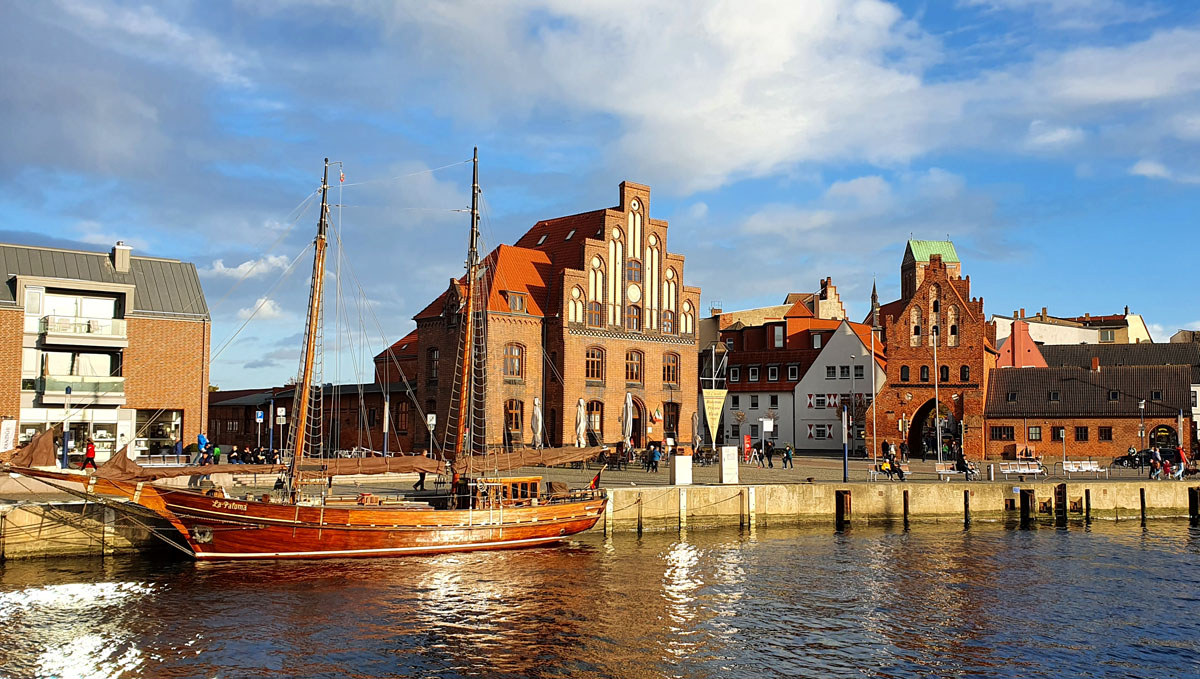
point(854, 411)
point(1142, 423)
point(937, 405)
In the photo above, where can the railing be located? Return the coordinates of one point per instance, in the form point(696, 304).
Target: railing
point(72, 325)
point(84, 384)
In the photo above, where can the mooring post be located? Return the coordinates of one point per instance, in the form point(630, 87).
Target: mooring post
point(1194, 505)
point(966, 508)
point(905, 510)
point(750, 506)
point(639, 504)
point(1027, 507)
point(741, 508)
point(1060, 505)
point(841, 510)
point(1142, 494)
point(608, 517)
point(1087, 505)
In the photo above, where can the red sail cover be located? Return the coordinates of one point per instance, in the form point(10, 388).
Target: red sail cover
point(39, 452)
point(524, 457)
point(120, 468)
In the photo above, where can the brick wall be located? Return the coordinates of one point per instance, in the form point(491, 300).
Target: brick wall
point(12, 324)
point(1124, 430)
point(166, 366)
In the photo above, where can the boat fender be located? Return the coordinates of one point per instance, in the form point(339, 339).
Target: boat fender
point(202, 534)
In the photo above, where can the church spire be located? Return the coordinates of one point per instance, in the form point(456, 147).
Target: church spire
point(874, 305)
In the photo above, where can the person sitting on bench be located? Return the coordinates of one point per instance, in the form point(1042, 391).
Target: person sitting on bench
point(961, 465)
point(890, 466)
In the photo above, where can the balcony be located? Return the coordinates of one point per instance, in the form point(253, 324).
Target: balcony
point(73, 330)
point(84, 389)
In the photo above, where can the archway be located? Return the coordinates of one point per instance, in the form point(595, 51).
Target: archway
point(1164, 436)
point(922, 431)
point(638, 437)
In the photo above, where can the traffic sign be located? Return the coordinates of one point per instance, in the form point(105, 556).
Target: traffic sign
point(258, 416)
point(279, 411)
point(431, 420)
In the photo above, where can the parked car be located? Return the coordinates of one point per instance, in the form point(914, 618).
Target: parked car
point(1142, 458)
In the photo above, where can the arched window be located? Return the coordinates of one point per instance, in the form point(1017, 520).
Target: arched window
point(575, 305)
point(633, 317)
point(595, 422)
point(668, 322)
point(595, 315)
point(633, 271)
point(671, 420)
point(924, 373)
point(904, 373)
point(915, 317)
point(594, 364)
point(514, 360)
point(934, 336)
point(514, 419)
point(952, 322)
point(964, 374)
point(944, 373)
point(671, 369)
point(937, 306)
point(633, 366)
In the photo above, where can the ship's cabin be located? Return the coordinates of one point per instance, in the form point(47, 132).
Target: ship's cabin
point(508, 492)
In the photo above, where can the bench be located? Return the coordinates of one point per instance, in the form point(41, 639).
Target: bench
point(1032, 468)
point(876, 471)
point(948, 469)
point(1083, 466)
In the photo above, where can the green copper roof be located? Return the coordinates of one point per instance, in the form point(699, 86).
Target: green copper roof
point(922, 249)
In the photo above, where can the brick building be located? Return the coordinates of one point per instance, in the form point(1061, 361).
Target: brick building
point(398, 362)
point(935, 307)
point(586, 307)
point(127, 336)
point(1086, 412)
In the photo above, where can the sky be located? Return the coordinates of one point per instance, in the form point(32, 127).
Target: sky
point(1057, 142)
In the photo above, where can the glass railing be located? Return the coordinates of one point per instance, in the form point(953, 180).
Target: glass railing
point(73, 325)
point(84, 384)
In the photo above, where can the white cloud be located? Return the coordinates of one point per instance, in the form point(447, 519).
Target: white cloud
point(250, 268)
point(696, 211)
point(145, 33)
point(1073, 14)
point(266, 309)
point(1153, 169)
point(91, 231)
point(1042, 134)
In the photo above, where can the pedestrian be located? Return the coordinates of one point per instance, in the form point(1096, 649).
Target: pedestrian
point(201, 449)
point(90, 456)
point(216, 454)
point(654, 458)
point(770, 449)
point(787, 457)
point(884, 448)
point(177, 449)
point(420, 484)
point(904, 451)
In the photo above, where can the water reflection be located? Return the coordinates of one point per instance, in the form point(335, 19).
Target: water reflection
point(934, 601)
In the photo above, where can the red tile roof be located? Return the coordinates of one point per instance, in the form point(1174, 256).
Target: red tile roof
point(405, 347)
point(551, 237)
point(509, 269)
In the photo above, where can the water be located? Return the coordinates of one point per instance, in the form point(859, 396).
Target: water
point(1112, 600)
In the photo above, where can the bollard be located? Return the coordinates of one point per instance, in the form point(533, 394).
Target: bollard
point(1142, 494)
point(1060, 505)
point(750, 505)
point(741, 508)
point(639, 504)
point(905, 510)
point(1087, 506)
point(966, 508)
point(682, 509)
point(841, 509)
point(1194, 505)
point(608, 517)
point(1027, 507)
point(991, 472)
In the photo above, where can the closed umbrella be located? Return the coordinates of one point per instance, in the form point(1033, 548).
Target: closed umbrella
point(696, 438)
point(535, 423)
point(581, 424)
point(627, 421)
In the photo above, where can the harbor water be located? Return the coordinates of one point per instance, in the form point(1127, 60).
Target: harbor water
point(1110, 599)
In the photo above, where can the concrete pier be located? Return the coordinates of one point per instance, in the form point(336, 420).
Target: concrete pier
point(54, 529)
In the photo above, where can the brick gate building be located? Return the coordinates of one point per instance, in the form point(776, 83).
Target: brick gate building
point(935, 307)
point(591, 306)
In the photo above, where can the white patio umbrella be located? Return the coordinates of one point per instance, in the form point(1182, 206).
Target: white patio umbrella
point(696, 437)
point(535, 423)
point(627, 421)
point(581, 424)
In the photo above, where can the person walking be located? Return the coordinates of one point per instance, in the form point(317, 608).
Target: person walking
point(654, 458)
point(904, 451)
point(787, 457)
point(770, 451)
point(884, 447)
point(420, 484)
point(90, 456)
point(201, 449)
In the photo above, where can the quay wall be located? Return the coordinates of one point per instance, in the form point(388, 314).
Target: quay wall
point(669, 507)
point(57, 529)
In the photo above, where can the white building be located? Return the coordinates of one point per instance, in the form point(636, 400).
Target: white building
point(841, 375)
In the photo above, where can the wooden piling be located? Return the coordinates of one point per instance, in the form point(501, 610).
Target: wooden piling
point(842, 509)
point(1142, 495)
point(906, 510)
point(966, 508)
point(1087, 505)
point(1194, 505)
point(639, 505)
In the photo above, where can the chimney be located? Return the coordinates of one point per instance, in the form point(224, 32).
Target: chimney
point(120, 257)
point(1095, 364)
point(1126, 309)
point(1043, 313)
point(1087, 317)
point(1022, 312)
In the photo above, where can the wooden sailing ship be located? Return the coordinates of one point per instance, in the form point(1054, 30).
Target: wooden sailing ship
point(294, 523)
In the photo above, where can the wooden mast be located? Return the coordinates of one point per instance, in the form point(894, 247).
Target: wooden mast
point(304, 386)
point(465, 401)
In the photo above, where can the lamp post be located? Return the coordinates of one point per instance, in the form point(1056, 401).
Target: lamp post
point(850, 423)
point(66, 458)
point(871, 363)
point(937, 405)
point(1142, 423)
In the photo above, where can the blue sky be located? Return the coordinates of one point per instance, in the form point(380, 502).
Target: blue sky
point(1056, 141)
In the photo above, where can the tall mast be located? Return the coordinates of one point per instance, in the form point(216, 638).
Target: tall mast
point(304, 387)
point(465, 401)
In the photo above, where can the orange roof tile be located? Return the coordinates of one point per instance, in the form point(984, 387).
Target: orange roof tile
point(562, 238)
point(405, 347)
point(508, 269)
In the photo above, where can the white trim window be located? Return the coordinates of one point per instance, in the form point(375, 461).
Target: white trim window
point(735, 374)
point(793, 373)
point(772, 373)
point(752, 373)
point(819, 401)
point(831, 372)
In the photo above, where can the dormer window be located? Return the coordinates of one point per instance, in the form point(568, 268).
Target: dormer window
point(516, 302)
point(1055, 396)
point(569, 234)
point(542, 239)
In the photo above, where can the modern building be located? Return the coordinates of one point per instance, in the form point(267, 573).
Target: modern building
point(113, 344)
point(589, 307)
point(1124, 328)
point(935, 316)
